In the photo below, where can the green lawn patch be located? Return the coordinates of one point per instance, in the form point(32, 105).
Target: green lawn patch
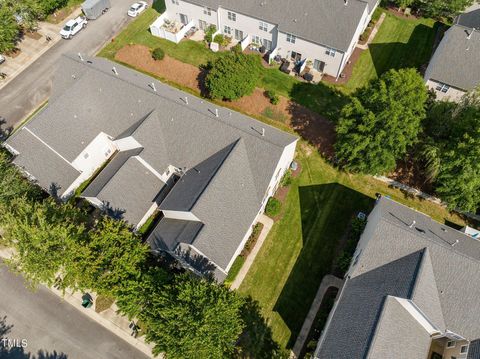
point(399, 43)
point(302, 247)
point(236, 266)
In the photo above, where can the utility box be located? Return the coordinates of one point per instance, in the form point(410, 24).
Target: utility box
point(94, 8)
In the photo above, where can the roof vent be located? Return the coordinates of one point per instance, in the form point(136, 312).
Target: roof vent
point(453, 244)
point(80, 56)
point(216, 112)
point(114, 69)
point(470, 34)
point(74, 77)
point(263, 132)
point(152, 85)
point(186, 100)
point(346, 2)
point(413, 223)
point(294, 20)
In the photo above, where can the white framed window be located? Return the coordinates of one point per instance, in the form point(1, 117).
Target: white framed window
point(175, 2)
point(330, 52)
point(227, 30)
point(291, 38)
point(232, 16)
point(263, 26)
point(256, 39)
point(442, 87)
point(464, 349)
point(207, 11)
point(451, 344)
point(267, 44)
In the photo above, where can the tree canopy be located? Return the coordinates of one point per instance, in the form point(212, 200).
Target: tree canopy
point(381, 121)
point(232, 76)
point(436, 8)
point(9, 29)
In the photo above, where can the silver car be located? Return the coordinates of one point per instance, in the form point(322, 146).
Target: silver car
point(2, 59)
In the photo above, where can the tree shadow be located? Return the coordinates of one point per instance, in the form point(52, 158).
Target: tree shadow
point(326, 212)
point(5, 129)
point(415, 53)
point(256, 340)
point(11, 348)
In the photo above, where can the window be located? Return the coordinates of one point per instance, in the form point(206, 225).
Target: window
point(263, 26)
point(291, 38)
point(442, 87)
point(267, 44)
point(256, 40)
point(207, 11)
point(451, 344)
point(175, 2)
point(330, 52)
point(464, 349)
point(227, 30)
point(232, 16)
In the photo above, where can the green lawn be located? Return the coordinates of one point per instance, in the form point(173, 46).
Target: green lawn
point(399, 43)
point(300, 248)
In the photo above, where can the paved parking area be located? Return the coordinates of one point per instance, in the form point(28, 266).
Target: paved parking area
point(39, 325)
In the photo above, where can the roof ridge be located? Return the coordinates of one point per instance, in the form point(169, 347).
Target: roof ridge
point(219, 119)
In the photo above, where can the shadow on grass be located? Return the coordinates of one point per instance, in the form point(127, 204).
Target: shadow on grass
point(326, 211)
point(159, 5)
point(415, 53)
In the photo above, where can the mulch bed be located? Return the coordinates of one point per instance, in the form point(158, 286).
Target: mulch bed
point(311, 126)
point(33, 35)
point(347, 70)
point(408, 173)
point(394, 10)
point(14, 53)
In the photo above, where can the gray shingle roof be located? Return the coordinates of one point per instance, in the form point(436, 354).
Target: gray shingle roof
point(168, 233)
point(51, 171)
point(469, 19)
point(170, 132)
point(442, 287)
point(327, 22)
point(455, 61)
point(474, 349)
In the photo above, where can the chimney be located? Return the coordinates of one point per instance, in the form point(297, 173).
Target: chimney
point(114, 69)
point(80, 56)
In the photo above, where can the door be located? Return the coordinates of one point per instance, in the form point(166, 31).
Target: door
point(319, 65)
point(202, 24)
point(184, 19)
point(267, 44)
point(296, 56)
point(238, 35)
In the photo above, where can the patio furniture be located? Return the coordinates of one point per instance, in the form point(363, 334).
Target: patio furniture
point(285, 67)
point(307, 76)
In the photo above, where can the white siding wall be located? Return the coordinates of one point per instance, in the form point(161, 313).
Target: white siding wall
point(453, 94)
point(94, 154)
point(282, 166)
point(311, 52)
point(249, 25)
point(193, 12)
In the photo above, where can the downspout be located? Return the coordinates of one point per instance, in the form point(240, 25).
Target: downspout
point(341, 67)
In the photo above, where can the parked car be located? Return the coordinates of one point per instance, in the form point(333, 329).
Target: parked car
point(73, 26)
point(2, 59)
point(137, 8)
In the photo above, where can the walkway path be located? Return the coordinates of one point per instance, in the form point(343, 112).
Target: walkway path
point(327, 282)
point(267, 225)
point(373, 33)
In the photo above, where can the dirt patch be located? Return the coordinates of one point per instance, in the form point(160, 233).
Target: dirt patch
point(33, 35)
point(14, 53)
point(409, 173)
point(347, 71)
point(60, 15)
point(316, 129)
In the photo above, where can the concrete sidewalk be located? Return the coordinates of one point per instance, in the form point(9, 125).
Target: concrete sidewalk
point(109, 318)
point(267, 226)
point(373, 33)
point(31, 49)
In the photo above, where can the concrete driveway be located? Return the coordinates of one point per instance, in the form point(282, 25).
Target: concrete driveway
point(39, 325)
point(31, 87)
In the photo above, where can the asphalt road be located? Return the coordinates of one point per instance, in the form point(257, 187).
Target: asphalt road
point(51, 327)
point(31, 87)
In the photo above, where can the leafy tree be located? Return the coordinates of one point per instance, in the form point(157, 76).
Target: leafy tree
point(442, 8)
point(112, 257)
point(381, 122)
point(49, 6)
point(232, 76)
point(403, 3)
point(9, 29)
point(30, 11)
point(194, 318)
point(44, 236)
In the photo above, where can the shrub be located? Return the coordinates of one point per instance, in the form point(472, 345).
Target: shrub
point(158, 54)
point(232, 76)
point(273, 207)
point(222, 40)
point(237, 48)
point(209, 31)
point(274, 98)
point(286, 179)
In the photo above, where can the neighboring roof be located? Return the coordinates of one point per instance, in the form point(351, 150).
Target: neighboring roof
point(455, 61)
point(474, 349)
point(400, 239)
point(51, 171)
point(228, 163)
point(469, 19)
point(170, 232)
point(131, 191)
point(328, 22)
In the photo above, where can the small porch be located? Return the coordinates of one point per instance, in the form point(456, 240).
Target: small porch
point(171, 29)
